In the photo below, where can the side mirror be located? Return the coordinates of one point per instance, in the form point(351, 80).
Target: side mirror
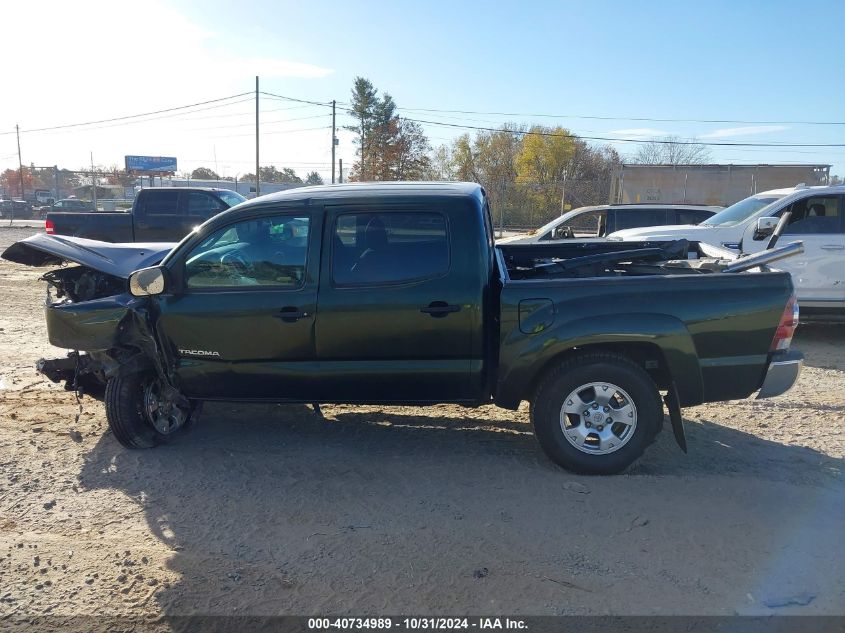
point(147, 281)
point(765, 227)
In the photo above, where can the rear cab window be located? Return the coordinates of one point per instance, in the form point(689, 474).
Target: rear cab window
point(379, 248)
point(159, 202)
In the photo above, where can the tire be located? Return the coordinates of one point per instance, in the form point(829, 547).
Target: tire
point(126, 414)
point(561, 426)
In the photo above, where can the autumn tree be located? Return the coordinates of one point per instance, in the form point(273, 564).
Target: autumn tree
point(272, 174)
point(204, 173)
point(541, 167)
point(441, 165)
point(313, 178)
point(10, 181)
point(389, 147)
point(671, 150)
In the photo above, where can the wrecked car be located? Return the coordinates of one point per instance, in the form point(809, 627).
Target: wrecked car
point(395, 293)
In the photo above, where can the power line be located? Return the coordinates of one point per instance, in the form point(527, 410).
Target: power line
point(151, 119)
point(614, 118)
point(307, 129)
point(283, 97)
point(131, 116)
point(624, 140)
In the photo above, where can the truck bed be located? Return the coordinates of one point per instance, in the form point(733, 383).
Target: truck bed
point(712, 327)
point(94, 225)
point(611, 259)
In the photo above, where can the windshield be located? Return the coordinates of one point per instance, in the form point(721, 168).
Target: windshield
point(740, 211)
point(558, 220)
point(230, 197)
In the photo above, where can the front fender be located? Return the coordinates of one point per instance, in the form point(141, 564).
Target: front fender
point(522, 357)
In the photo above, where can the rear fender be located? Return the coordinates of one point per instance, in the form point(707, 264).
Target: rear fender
point(524, 358)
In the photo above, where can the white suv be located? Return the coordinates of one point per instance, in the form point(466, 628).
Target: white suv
point(818, 220)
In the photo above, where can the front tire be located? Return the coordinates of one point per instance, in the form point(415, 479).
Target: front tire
point(596, 413)
point(137, 415)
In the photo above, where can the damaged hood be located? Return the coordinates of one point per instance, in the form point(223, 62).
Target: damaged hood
point(118, 260)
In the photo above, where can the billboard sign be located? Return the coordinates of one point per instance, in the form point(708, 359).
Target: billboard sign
point(151, 164)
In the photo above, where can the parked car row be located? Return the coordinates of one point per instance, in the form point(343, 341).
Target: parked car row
point(158, 214)
point(816, 218)
point(15, 209)
point(602, 220)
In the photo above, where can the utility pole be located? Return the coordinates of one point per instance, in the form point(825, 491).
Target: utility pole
point(20, 163)
point(93, 182)
point(341, 170)
point(257, 175)
point(334, 138)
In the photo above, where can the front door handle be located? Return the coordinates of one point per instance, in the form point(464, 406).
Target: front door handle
point(833, 247)
point(439, 309)
point(291, 314)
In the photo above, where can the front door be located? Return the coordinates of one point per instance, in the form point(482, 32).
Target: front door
point(398, 306)
point(818, 273)
point(243, 325)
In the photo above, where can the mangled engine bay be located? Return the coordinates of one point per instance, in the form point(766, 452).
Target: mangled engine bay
point(89, 308)
point(80, 283)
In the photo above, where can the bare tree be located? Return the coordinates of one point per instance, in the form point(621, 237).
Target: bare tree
point(671, 150)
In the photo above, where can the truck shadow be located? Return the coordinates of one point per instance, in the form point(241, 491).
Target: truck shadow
point(273, 510)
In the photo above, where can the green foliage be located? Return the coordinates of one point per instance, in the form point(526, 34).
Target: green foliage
point(529, 175)
point(204, 173)
point(313, 178)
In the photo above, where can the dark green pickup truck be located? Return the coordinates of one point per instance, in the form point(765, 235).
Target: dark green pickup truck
point(396, 293)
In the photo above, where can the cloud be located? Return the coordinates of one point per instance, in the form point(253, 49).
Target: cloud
point(744, 131)
point(639, 132)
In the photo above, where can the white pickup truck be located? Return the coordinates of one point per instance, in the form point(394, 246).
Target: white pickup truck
point(817, 220)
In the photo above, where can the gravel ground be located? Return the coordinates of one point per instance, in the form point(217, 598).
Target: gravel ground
point(268, 510)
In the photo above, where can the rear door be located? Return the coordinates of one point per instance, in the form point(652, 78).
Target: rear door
point(398, 305)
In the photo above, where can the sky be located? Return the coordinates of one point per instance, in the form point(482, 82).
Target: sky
point(763, 70)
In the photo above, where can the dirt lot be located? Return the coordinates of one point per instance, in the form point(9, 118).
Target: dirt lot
point(267, 510)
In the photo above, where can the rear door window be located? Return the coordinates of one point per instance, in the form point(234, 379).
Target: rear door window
point(161, 203)
point(388, 248)
point(636, 218)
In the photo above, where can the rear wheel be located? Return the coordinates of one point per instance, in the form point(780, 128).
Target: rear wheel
point(138, 412)
point(596, 413)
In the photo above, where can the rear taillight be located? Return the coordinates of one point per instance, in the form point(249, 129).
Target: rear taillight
point(49, 227)
point(786, 327)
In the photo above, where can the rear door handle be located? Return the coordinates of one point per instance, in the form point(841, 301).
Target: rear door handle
point(290, 315)
point(439, 309)
point(833, 247)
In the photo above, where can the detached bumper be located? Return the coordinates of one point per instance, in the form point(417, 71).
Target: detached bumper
point(782, 373)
